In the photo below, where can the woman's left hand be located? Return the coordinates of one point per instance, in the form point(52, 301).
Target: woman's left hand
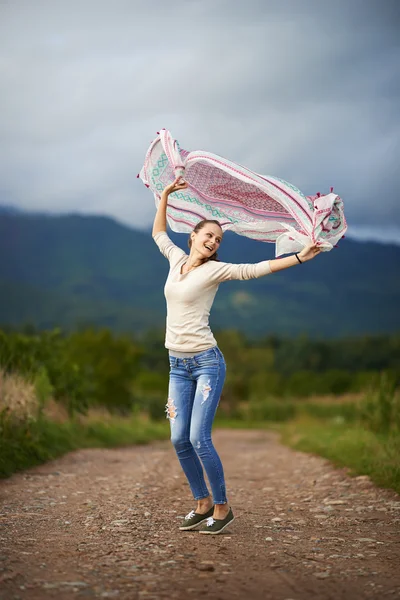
point(309, 252)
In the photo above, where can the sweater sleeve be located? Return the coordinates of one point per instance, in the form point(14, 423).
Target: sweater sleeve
point(229, 271)
point(167, 247)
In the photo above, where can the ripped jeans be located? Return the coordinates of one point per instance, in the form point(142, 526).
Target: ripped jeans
point(195, 388)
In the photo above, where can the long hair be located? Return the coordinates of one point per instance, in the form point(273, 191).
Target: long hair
point(199, 226)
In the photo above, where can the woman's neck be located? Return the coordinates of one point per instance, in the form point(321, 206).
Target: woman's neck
point(194, 260)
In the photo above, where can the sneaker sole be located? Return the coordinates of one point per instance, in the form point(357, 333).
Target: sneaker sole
point(189, 527)
point(219, 530)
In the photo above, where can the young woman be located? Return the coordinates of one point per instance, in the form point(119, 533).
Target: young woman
point(197, 366)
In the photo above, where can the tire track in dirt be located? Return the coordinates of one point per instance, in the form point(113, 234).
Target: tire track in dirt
point(103, 524)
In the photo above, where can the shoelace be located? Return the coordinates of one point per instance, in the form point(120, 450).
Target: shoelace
point(190, 515)
point(210, 521)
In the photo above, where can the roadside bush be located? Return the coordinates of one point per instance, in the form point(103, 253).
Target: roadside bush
point(270, 409)
point(348, 411)
point(380, 408)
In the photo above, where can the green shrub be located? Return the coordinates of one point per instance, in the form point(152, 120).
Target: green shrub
point(380, 408)
point(43, 388)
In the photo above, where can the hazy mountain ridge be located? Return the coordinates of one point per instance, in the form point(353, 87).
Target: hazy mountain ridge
point(68, 270)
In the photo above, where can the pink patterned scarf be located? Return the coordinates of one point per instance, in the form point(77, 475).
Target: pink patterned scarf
point(263, 208)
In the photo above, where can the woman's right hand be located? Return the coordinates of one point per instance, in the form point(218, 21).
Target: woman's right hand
point(178, 184)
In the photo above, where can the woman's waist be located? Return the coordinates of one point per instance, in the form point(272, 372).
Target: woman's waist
point(189, 342)
point(189, 353)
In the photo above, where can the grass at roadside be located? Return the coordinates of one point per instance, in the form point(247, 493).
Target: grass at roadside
point(30, 443)
point(364, 452)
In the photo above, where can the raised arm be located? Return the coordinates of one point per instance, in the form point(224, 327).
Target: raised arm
point(160, 220)
point(305, 255)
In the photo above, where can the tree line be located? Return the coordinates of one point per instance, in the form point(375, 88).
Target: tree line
point(95, 367)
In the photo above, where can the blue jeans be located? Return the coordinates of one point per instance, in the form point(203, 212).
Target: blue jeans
point(195, 388)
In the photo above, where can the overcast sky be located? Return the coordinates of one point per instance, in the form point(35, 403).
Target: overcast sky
point(306, 90)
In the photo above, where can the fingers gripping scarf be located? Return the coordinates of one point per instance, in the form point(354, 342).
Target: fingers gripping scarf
point(264, 208)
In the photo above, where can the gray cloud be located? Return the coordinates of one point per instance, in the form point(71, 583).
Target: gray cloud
point(307, 91)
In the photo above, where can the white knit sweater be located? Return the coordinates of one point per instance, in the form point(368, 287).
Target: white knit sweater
point(190, 295)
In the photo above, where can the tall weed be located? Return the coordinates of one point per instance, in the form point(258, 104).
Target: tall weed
point(18, 399)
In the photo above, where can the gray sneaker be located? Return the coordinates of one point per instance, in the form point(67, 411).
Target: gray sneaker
point(193, 519)
point(215, 526)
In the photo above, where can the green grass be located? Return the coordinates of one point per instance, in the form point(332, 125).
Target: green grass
point(35, 442)
point(362, 451)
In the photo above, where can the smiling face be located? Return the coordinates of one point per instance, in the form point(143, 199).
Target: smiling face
point(207, 240)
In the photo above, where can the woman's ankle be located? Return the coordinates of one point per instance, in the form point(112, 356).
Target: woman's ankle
point(204, 504)
point(221, 510)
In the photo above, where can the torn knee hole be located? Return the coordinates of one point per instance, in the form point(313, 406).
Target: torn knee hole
point(170, 409)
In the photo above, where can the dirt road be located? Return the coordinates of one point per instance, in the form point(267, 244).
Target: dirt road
point(103, 524)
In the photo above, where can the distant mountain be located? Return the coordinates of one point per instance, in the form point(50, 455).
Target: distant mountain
point(8, 209)
point(74, 270)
